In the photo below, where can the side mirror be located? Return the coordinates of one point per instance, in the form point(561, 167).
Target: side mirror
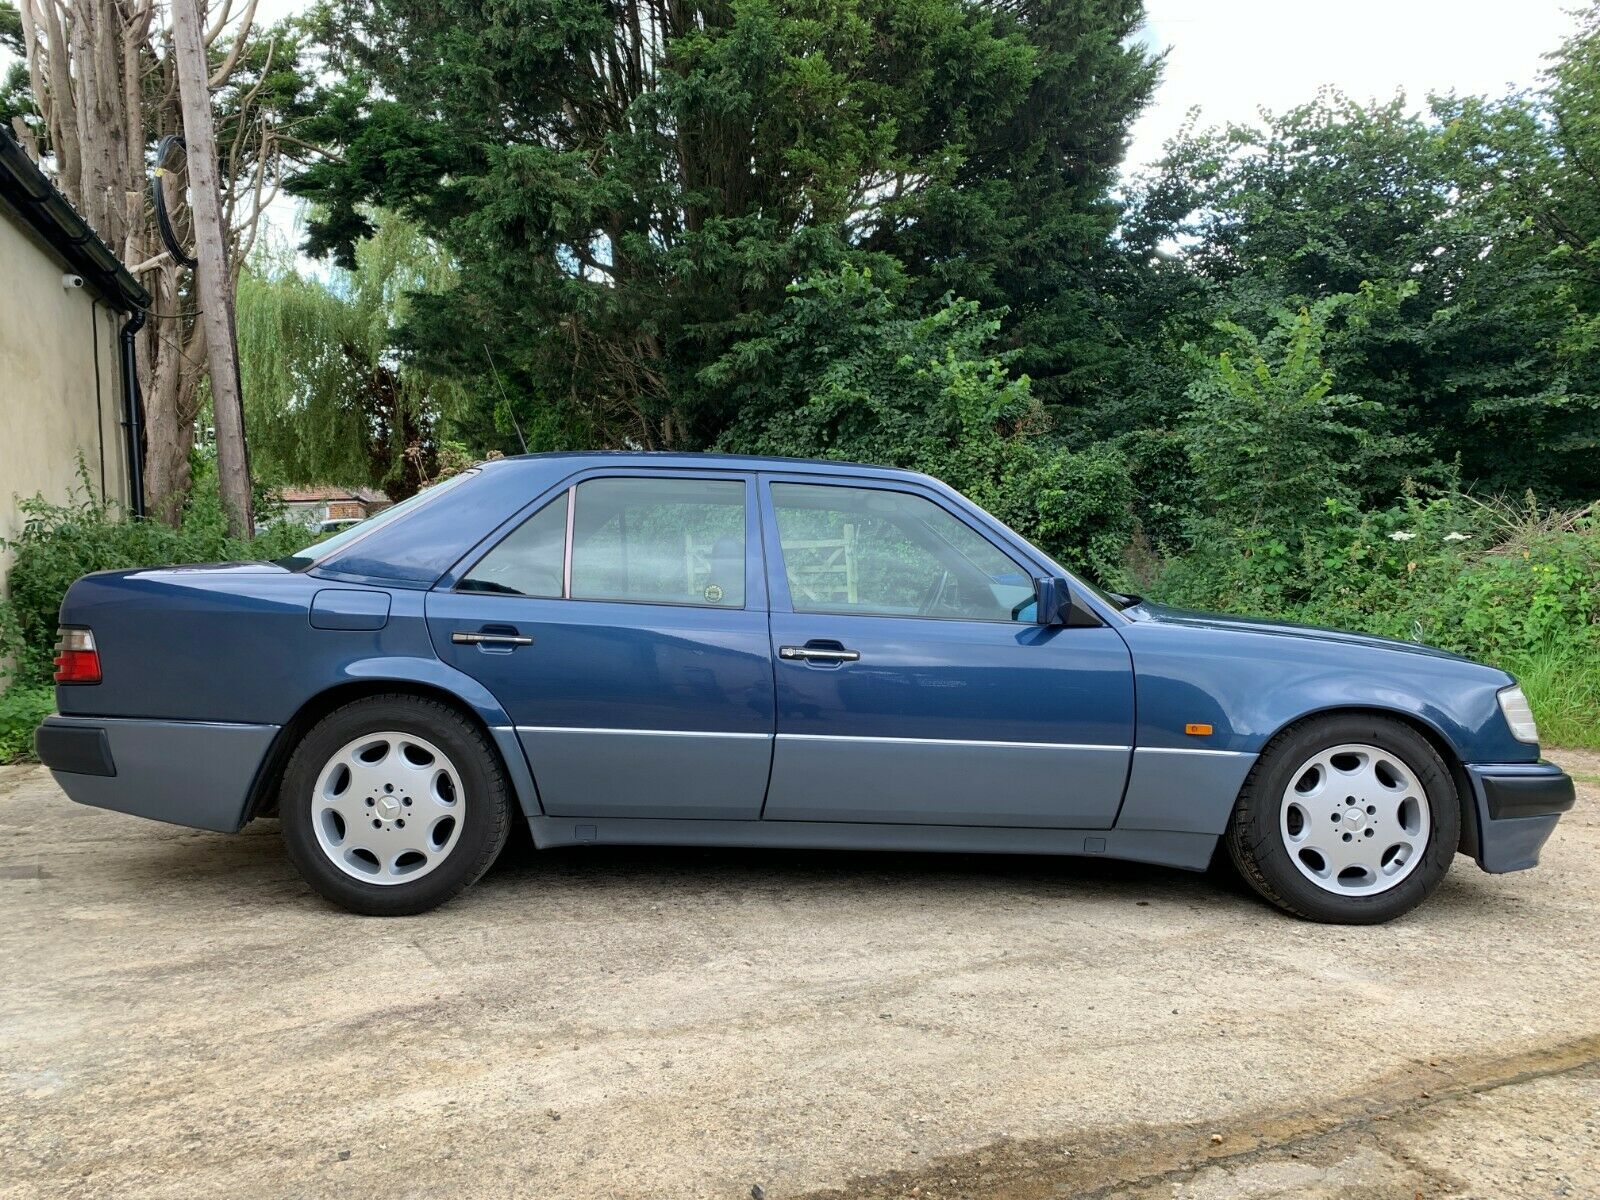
point(1052, 601)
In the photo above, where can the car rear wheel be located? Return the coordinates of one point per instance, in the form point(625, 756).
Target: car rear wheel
point(392, 805)
point(1347, 820)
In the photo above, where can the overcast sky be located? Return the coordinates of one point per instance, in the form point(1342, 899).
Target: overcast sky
point(1232, 56)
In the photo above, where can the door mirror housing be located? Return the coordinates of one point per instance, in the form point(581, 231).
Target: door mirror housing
point(1052, 601)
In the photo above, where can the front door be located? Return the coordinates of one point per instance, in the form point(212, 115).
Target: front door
point(913, 685)
point(623, 627)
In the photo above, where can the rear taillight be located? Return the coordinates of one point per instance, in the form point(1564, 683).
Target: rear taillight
point(77, 661)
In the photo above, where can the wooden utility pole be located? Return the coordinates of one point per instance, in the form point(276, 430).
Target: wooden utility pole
point(212, 277)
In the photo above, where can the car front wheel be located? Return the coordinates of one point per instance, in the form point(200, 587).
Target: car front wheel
point(392, 805)
point(1346, 819)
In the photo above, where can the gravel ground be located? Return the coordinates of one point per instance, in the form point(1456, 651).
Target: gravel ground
point(180, 1016)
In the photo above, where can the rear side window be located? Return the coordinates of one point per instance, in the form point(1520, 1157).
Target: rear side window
point(663, 541)
point(647, 541)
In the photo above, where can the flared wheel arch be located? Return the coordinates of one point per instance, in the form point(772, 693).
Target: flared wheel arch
point(1433, 734)
point(264, 790)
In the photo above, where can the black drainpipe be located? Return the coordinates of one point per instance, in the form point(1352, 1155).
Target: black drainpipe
point(133, 411)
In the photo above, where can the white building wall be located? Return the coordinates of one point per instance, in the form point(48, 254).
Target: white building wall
point(52, 408)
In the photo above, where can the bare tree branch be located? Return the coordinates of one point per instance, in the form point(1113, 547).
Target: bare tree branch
point(240, 38)
point(326, 152)
point(150, 264)
point(25, 137)
point(220, 23)
point(103, 78)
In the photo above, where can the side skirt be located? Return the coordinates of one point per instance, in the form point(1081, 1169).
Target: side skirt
point(1190, 851)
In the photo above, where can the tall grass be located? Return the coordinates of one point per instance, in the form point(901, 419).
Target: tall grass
point(1564, 690)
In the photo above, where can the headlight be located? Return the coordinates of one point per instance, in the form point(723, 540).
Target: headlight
point(1518, 715)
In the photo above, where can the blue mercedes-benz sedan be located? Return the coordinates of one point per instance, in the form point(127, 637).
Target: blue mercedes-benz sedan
point(708, 650)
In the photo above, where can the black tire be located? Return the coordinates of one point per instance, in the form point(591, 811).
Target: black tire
point(488, 809)
point(1256, 841)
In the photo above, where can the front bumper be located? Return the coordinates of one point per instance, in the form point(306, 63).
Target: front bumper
point(1518, 805)
point(196, 773)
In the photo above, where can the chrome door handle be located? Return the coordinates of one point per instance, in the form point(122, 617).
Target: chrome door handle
point(462, 638)
point(818, 654)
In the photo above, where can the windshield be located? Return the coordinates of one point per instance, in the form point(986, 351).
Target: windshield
point(322, 548)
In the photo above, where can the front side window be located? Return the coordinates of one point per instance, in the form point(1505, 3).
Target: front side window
point(885, 553)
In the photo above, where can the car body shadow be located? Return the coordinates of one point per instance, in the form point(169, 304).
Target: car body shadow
point(720, 867)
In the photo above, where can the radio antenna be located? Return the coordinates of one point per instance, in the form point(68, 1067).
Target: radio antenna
point(511, 412)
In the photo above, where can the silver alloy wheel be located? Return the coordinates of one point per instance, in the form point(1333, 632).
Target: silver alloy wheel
point(1355, 820)
point(388, 807)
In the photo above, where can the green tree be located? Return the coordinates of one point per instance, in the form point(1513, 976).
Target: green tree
point(1270, 440)
point(1275, 453)
point(328, 398)
point(16, 98)
point(1531, 169)
point(1464, 361)
point(1022, 223)
point(630, 186)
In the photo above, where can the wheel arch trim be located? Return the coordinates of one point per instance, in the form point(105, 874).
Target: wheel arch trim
point(429, 679)
point(1432, 733)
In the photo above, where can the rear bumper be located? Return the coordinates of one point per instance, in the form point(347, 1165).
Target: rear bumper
point(1518, 805)
point(196, 773)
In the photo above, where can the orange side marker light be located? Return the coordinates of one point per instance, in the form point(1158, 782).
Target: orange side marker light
point(1196, 729)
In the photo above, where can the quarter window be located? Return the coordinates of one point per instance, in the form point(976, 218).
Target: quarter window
point(886, 553)
point(529, 562)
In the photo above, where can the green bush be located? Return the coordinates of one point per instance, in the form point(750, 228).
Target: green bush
point(21, 710)
point(59, 543)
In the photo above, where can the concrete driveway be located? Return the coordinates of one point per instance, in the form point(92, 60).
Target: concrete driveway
point(180, 1016)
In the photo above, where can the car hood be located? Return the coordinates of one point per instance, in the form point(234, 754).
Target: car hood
point(1146, 610)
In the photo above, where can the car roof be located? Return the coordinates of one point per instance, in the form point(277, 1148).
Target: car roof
point(681, 460)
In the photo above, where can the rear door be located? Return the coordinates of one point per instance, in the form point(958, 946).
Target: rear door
point(623, 627)
point(912, 683)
